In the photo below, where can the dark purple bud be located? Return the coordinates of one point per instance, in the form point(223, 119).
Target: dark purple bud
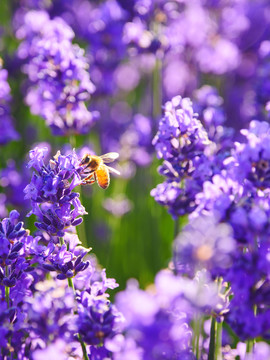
point(69, 265)
point(40, 226)
point(60, 233)
point(48, 267)
point(77, 221)
point(17, 247)
point(78, 261)
point(79, 267)
point(61, 276)
point(69, 274)
point(18, 226)
point(13, 255)
point(9, 282)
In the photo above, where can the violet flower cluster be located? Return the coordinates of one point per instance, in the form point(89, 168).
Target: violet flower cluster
point(55, 297)
point(183, 144)
point(59, 83)
point(50, 192)
point(7, 131)
point(228, 234)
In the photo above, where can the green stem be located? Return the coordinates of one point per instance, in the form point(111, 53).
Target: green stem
point(250, 344)
point(157, 95)
point(71, 285)
point(7, 295)
point(7, 290)
point(61, 240)
point(179, 224)
point(196, 337)
point(212, 345)
point(176, 227)
point(218, 352)
point(85, 356)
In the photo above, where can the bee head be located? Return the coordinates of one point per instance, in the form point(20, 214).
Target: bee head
point(85, 160)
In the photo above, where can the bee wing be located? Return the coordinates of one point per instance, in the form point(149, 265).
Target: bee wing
point(110, 157)
point(113, 171)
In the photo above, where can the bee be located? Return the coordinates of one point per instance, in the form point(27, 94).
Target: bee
point(96, 170)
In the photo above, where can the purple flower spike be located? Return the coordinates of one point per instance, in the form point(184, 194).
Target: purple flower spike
point(50, 191)
point(184, 145)
point(204, 243)
point(97, 321)
point(49, 312)
point(59, 81)
point(7, 131)
point(11, 231)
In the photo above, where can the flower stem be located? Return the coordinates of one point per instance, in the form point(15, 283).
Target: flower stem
point(7, 295)
point(250, 344)
point(85, 356)
point(212, 345)
point(71, 285)
point(196, 338)
point(157, 89)
point(7, 290)
point(176, 228)
point(218, 353)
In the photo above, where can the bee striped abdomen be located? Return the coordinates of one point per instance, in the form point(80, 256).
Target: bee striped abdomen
point(103, 177)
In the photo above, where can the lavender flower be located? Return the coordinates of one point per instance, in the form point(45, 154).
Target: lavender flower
point(93, 280)
point(67, 263)
point(97, 320)
point(7, 131)
point(11, 231)
point(15, 282)
point(50, 192)
point(261, 351)
point(171, 305)
point(100, 25)
point(57, 70)
point(147, 316)
point(253, 157)
point(180, 133)
point(247, 278)
point(204, 244)
point(13, 181)
point(3, 203)
point(182, 142)
point(59, 349)
point(49, 315)
point(209, 105)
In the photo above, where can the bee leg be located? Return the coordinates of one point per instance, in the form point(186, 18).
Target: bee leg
point(89, 180)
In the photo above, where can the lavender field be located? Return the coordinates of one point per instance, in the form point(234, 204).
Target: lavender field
point(135, 180)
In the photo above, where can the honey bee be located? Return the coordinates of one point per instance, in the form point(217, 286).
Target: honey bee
point(96, 170)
